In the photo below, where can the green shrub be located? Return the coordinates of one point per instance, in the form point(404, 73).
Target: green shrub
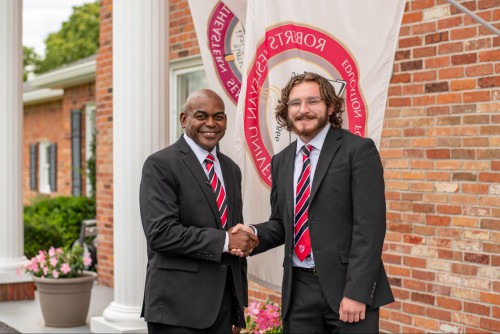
point(55, 222)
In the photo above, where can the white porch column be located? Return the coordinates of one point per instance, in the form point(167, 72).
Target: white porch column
point(11, 142)
point(140, 64)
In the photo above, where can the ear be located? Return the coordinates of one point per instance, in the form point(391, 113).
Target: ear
point(183, 119)
point(330, 110)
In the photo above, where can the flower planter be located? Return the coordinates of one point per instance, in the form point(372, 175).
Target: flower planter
point(65, 301)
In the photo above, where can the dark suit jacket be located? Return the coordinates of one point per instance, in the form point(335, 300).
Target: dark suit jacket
point(346, 220)
point(187, 269)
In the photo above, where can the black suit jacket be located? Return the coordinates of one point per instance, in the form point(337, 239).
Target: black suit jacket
point(187, 269)
point(347, 220)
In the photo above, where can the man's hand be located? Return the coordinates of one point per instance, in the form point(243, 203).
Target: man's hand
point(351, 310)
point(242, 240)
point(235, 330)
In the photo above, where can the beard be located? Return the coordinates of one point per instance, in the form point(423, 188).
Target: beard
point(321, 122)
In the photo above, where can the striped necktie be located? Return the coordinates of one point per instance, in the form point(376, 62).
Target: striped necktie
point(303, 191)
point(218, 188)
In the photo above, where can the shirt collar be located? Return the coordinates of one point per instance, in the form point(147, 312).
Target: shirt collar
point(199, 151)
point(317, 141)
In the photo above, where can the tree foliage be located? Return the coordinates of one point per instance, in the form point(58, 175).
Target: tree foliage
point(78, 38)
point(31, 60)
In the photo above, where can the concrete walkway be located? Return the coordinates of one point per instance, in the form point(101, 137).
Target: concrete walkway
point(26, 316)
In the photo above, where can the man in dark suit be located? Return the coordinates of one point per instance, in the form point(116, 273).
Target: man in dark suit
point(329, 211)
point(190, 195)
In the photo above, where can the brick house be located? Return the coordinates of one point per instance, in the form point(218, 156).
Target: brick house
point(439, 149)
point(59, 120)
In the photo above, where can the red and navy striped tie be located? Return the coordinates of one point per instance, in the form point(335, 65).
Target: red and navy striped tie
point(218, 188)
point(303, 191)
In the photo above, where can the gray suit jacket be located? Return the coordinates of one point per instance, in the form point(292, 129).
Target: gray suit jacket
point(347, 220)
point(187, 269)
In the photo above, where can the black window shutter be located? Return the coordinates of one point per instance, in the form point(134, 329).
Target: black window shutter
point(76, 152)
point(53, 167)
point(33, 157)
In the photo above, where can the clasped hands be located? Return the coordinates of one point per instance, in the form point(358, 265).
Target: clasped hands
point(242, 240)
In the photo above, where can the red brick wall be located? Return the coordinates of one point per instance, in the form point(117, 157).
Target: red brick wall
point(441, 157)
point(41, 122)
point(440, 148)
point(104, 148)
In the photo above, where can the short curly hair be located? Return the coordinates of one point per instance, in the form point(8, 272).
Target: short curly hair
point(327, 94)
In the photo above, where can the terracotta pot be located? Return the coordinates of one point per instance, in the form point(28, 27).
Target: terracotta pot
point(65, 301)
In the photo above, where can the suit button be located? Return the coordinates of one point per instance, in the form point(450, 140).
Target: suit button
point(223, 267)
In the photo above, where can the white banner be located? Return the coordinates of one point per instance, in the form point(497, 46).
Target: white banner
point(352, 43)
point(221, 40)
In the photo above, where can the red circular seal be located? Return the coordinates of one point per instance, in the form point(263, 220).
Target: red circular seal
point(303, 42)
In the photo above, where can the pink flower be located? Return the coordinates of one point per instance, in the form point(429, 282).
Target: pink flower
point(52, 251)
point(65, 268)
point(55, 274)
point(45, 271)
point(34, 265)
point(53, 261)
point(87, 260)
point(254, 308)
point(40, 257)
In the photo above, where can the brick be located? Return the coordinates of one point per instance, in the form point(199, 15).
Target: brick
point(478, 96)
point(463, 154)
point(463, 33)
point(414, 309)
point(411, 65)
point(424, 52)
point(423, 275)
point(389, 327)
point(449, 209)
point(489, 56)
point(490, 324)
point(464, 177)
point(462, 59)
point(448, 48)
point(437, 62)
point(463, 269)
point(449, 303)
point(422, 298)
point(424, 76)
point(451, 72)
point(438, 154)
point(437, 87)
point(479, 70)
point(439, 289)
point(464, 84)
point(489, 82)
point(466, 319)
point(449, 98)
point(438, 220)
point(463, 108)
point(437, 37)
point(410, 42)
point(477, 308)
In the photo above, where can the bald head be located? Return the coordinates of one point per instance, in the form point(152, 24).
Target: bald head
point(203, 118)
point(204, 95)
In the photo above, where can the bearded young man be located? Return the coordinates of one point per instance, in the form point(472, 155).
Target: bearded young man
point(329, 211)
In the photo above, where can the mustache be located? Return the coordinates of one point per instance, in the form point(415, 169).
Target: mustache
point(305, 116)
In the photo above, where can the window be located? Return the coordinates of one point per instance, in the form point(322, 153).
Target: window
point(47, 167)
point(186, 77)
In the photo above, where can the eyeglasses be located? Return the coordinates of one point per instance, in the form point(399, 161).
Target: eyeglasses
point(311, 102)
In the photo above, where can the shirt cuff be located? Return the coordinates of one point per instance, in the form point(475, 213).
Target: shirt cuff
point(226, 244)
point(254, 230)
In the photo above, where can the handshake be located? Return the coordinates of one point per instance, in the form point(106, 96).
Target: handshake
point(242, 240)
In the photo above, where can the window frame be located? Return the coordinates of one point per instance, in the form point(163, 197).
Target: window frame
point(177, 69)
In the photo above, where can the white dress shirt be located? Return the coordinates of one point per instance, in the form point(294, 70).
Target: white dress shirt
point(317, 142)
point(201, 155)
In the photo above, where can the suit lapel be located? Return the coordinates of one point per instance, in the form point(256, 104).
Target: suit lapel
point(332, 143)
point(194, 166)
point(289, 160)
